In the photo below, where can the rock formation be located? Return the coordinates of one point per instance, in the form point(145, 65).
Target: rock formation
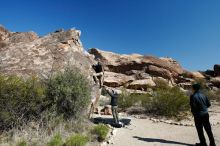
point(136, 71)
point(26, 54)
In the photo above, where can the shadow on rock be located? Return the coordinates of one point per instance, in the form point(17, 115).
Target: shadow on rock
point(162, 141)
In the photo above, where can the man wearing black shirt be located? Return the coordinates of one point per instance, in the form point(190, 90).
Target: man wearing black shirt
point(199, 106)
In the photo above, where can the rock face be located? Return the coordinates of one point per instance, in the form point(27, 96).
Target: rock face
point(197, 75)
point(116, 79)
point(124, 69)
point(27, 54)
point(217, 69)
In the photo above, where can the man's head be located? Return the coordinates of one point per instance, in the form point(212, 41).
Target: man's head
point(196, 87)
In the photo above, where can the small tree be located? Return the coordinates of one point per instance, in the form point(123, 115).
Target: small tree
point(69, 92)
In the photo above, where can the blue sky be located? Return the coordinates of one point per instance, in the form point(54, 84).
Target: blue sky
point(186, 30)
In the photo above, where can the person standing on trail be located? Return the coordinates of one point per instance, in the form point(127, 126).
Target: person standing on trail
point(199, 107)
point(99, 75)
point(114, 103)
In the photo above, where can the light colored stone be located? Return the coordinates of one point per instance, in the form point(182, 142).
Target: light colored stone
point(112, 79)
point(197, 75)
point(142, 84)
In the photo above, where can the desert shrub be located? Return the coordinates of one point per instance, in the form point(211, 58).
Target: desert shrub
point(125, 100)
point(65, 95)
point(101, 131)
point(164, 101)
point(77, 140)
point(161, 84)
point(212, 95)
point(146, 101)
point(167, 102)
point(202, 83)
point(22, 143)
point(21, 100)
point(55, 141)
point(69, 93)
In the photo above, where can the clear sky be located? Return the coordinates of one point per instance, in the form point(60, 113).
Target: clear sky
point(186, 30)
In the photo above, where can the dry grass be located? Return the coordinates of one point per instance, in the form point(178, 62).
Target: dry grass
point(37, 135)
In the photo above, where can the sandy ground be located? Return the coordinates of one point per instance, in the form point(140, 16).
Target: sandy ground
point(143, 132)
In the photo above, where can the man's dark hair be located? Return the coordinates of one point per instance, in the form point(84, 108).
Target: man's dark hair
point(196, 87)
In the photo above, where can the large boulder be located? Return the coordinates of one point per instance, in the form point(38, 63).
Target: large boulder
point(124, 64)
point(158, 71)
point(112, 79)
point(217, 69)
point(197, 75)
point(27, 54)
point(142, 84)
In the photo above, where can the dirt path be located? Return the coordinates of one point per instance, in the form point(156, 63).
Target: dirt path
point(143, 132)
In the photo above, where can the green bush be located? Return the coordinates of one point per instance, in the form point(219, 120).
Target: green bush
point(170, 102)
point(125, 100)
point(21, 100)
point(77, 140)
point(212, 95)
point(101, 131)
point(69, 92)
point(161, 84)
point(164, 101)
point(55, 141)
point(202, 83)
point(65, 95)
point(22, 143)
